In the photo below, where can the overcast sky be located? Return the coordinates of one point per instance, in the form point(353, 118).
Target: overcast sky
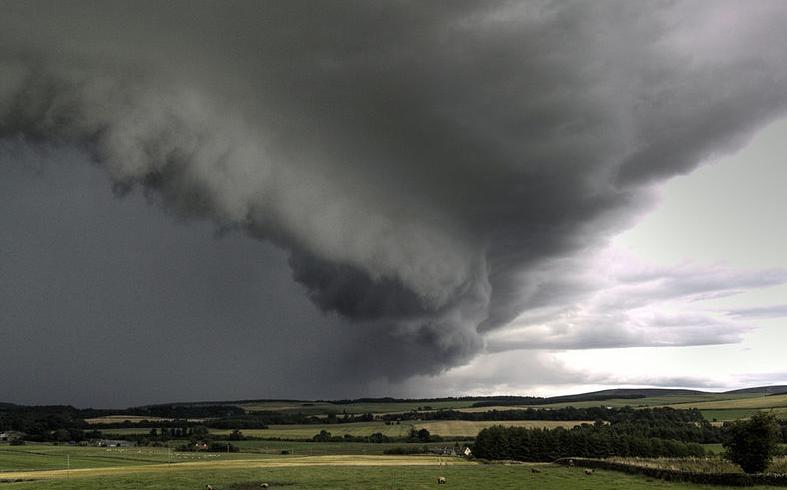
point(236, 200)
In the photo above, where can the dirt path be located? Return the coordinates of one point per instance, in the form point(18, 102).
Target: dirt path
point(342, 460)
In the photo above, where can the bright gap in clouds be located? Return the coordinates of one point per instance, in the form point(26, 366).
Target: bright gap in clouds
point(693, 296)
point(730, 214)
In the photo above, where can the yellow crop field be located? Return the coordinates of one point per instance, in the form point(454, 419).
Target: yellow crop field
point(471, 428)
point(772, 401)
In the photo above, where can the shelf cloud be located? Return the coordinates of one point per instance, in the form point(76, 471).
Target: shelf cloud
point(428, 168)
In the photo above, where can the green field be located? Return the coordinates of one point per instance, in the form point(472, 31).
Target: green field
point(345, 472)
point(45, 457)
point(309, 448)
point(650, 401)
point(719, 407)
point(309, 408)
point(301, 431)
point(718, 449)
point(461, 428)
point(727, 414)
point(755, 402)
point(448, 428)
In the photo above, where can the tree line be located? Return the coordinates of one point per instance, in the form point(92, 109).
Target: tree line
point(588, 441)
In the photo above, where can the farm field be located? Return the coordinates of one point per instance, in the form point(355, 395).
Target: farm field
point(308, 408)
point(447, 428)
point(455, 428)
point(310, 448)
point(650, 401)
point(114, 419)
point(348, 472)
point(307, 431)
point(300, 431)
point(351, 408)
point(718, 449)
point(752, 402)
point(46, 457)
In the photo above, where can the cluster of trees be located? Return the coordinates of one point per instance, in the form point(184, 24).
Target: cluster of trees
point(261, 420)
point(47, 423)
point(211, 447)
point(182, 432)
point(421, 435)
point(36, 420)
point(377, 437)
point(567, 413)
point(589, 441)
point(753, 443)
point(186, 411)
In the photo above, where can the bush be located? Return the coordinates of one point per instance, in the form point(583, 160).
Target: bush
point(400, 450)
point(753, 443)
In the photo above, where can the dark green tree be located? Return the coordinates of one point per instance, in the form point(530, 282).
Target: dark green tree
point(753, 443)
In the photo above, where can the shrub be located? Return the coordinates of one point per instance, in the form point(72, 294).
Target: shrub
point(753, 443)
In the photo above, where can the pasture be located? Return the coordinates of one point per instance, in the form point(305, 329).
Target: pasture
point(346, 472)
point(35, 457)
point(649, 401)
point(749, 402)
point(467, 428)
point(447, 428)
point(311, 408)
point(134, 419)
point(310, 448)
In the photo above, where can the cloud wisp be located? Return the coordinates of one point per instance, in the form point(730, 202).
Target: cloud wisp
point(632, 303)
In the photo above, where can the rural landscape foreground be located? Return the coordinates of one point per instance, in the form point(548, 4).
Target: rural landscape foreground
point(364, 244)
point(624, 438)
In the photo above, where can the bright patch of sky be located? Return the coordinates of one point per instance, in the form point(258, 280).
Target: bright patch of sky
point(728, 213)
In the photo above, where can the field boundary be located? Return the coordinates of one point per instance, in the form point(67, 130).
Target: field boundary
point(729, 479)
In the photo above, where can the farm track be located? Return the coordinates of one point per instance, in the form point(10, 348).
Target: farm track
point(348, 460)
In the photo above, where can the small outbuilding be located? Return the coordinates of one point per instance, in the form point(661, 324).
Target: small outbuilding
point(11, 435)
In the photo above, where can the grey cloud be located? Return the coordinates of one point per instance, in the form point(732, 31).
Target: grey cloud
point(634, 304)
point(773, 311)
point(523, 372)
point(423, 165)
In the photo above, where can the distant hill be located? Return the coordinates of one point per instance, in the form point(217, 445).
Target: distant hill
point(764, 390)
point(505, 400)
point(593, 396)
point(207, 409)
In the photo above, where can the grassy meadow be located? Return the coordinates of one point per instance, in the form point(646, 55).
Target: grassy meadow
point(295, 461)
point(447, 428)
point(317, 408)
point(323, 472)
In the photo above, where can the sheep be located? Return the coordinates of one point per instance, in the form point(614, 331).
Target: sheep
point(264, 485)
point(588, 472)
point(208, 487)
point(441, 480)
point(535, 470)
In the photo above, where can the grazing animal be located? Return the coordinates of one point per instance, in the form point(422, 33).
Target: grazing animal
point(264, 485)
point(588, 472)
point(208, 487)
point(535, 470)
point(441, 480)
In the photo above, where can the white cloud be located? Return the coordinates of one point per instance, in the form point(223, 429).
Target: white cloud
point(637, 303)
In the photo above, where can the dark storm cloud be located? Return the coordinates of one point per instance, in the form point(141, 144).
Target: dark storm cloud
point(422, 163)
